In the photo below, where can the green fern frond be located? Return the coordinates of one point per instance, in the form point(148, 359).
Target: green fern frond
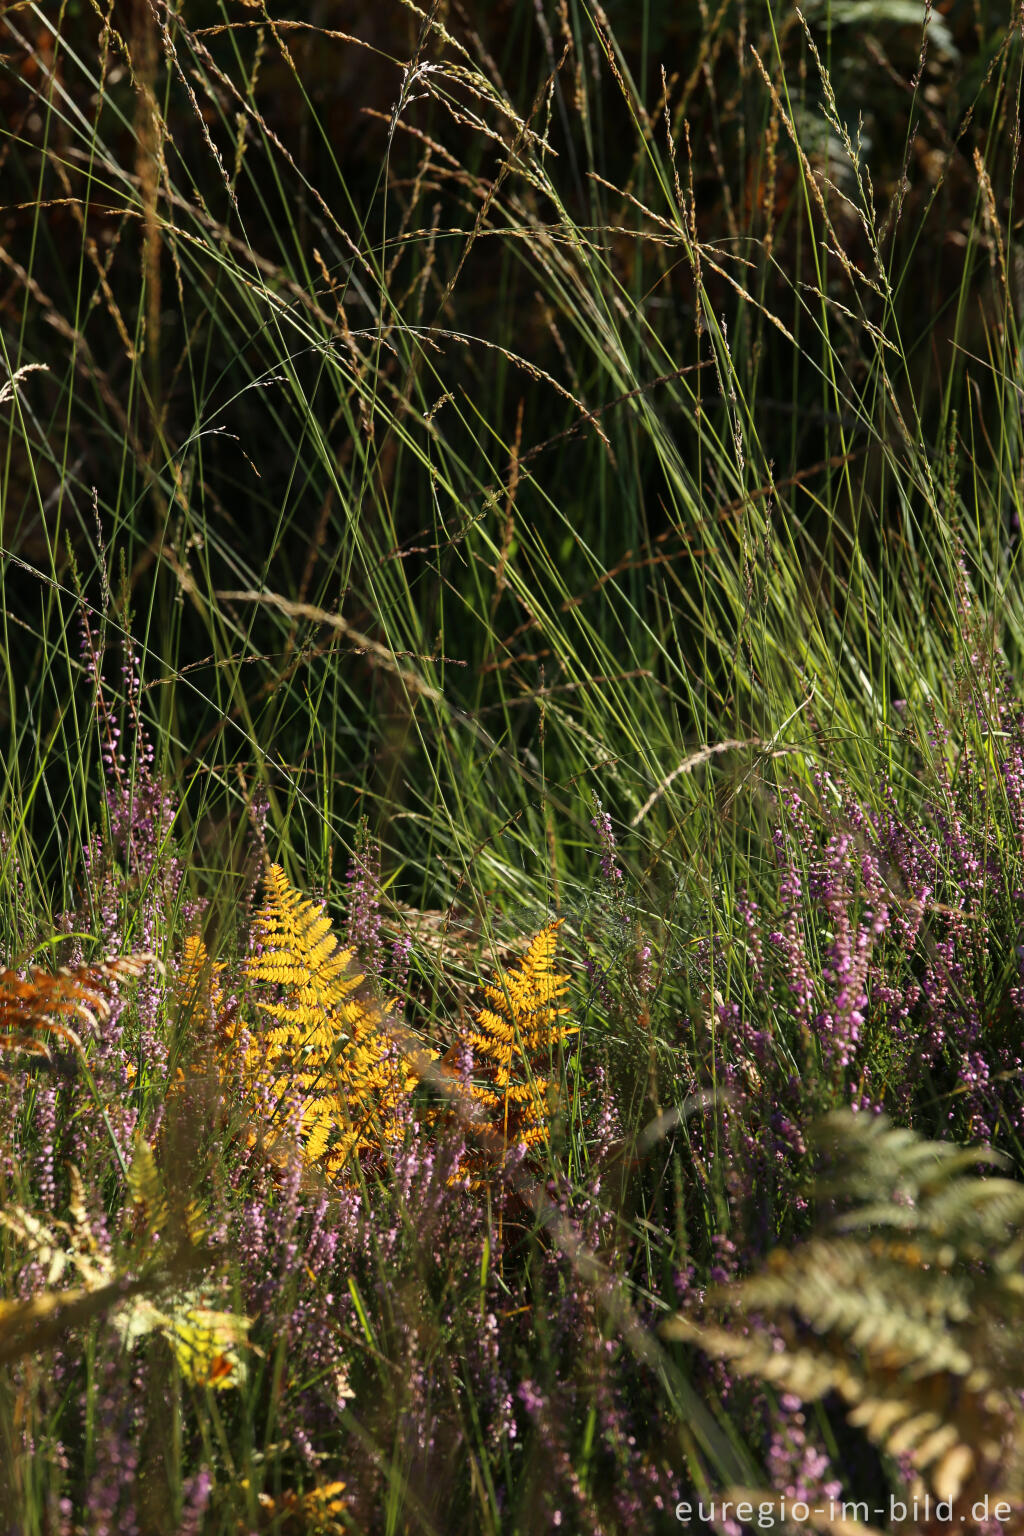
point(909, 1305)
point(145, 1185)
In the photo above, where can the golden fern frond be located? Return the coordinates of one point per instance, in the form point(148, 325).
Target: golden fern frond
point(299, 949)
point(515, 1037)
point(145, 1185)
point(175, 1221)
point(909, 1305)
point(319, 1512)
point(208, 1343)
point(198, 982)
point(326, 1052)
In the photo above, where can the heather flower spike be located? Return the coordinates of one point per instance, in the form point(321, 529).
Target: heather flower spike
point(602, 824)
point(363, 878)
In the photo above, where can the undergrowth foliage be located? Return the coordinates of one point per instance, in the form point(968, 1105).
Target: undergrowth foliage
point(360, 1225)
point(511, 631)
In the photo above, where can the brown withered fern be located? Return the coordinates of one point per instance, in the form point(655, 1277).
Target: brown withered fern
point(908, 1304)
point(38, 1011)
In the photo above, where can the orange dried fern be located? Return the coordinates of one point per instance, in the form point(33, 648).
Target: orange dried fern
point(40, 1009)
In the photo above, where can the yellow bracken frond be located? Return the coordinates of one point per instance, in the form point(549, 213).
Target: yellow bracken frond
point(299, 949)
point(198, 981)
point(326, 1053)
point(515, 1041)
point(320, 1512)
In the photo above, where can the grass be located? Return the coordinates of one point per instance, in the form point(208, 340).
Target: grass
point(429, 434)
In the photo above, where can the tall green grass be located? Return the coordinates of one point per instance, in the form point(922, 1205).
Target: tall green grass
point(310, 390)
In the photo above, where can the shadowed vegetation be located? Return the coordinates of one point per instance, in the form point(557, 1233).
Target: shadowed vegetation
point(511, 626)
